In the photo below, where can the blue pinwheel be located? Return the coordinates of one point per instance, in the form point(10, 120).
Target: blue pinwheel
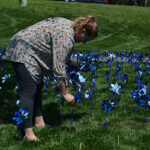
point(109, 63)
point(20, 117)
point(89, 96)
point(124, 82)
point(108, 105)
point(141, 97)
point(101, 60)
point(121, 56)
point(148, 64)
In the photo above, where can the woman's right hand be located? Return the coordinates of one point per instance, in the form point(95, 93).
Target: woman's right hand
point(70, 99)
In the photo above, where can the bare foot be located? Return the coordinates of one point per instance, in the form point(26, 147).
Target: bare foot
point(31, 138)
point(39, 122)
point(29, 135)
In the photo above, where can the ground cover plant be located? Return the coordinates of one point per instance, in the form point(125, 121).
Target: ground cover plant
point(122, 28)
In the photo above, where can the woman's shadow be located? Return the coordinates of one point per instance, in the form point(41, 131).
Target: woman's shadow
point(53, 114)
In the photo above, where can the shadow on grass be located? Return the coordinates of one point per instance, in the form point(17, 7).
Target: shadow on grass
point(53, 114)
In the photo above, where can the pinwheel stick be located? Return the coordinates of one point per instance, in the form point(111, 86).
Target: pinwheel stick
point(19, 132)
point(135, 110)
point(114, 96)
point(144, 116)
point(91, 98)
point(108, 84)
point(110, 68)
point(105, 120)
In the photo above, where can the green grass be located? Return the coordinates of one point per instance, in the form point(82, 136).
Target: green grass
point(120, 28)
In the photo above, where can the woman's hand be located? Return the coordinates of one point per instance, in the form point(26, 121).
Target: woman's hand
point(70, 99)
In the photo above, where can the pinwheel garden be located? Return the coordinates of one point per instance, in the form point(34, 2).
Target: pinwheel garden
point(111, 84)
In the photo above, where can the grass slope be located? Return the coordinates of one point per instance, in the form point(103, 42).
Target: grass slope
point(120, 27)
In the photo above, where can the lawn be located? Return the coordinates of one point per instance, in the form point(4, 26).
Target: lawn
point(122, 28)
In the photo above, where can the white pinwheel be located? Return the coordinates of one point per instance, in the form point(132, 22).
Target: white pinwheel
point(112, 56)
point(6, 77)
point(115, 88)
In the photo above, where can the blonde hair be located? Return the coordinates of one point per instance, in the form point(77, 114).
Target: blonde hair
point(88, 23)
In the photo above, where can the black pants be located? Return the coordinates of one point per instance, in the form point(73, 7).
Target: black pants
point(30, 93)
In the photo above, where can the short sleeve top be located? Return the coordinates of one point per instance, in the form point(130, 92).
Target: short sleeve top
point(43, 48)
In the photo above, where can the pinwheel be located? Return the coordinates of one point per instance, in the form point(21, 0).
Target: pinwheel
point(139, 75)
point(118, 75)
point(81, 78)
point(115, 89)
point(112, 57)
point(108, 106)
point(124, 81)
point(6, 78)
point(77, 79)
point(121, 56)
point(17, 87)
point(126, 60)
point(148, 64)
point(116, 54)
point(109, 63)
point(140, 57)
point(17, 102)
point(89, 96)
point(132, 58)
point(19, 117)
point(101, 60)
point(141, 97)
point(106, 53)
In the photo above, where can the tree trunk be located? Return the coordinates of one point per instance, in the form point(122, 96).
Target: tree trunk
point(23, 2)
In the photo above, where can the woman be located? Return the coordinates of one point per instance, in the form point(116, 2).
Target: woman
point(45, 48)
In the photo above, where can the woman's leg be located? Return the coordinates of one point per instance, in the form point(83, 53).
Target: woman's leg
point(39, 121)
point(28, 90)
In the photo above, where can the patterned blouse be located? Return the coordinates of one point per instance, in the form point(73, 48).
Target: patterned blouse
point(43, 48)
